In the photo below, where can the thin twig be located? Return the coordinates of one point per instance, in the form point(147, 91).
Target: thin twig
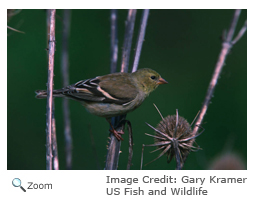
point(65, 80)
point(233, 24)
point(114, 41)
point(65, 45)
point(13, 29)
point(50, 90)
point(240, 34)
point(226, 46)
point(140, 38)
point(141, 166)
point(130, 141)
point(130, 23)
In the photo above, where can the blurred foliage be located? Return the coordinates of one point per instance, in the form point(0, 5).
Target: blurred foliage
point(182, 45)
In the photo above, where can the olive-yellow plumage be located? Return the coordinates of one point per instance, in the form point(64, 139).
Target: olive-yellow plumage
point(113, 94)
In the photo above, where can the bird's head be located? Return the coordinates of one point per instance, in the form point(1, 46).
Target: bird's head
point(148, 79)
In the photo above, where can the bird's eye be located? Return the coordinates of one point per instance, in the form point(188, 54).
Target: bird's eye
point(153, 77)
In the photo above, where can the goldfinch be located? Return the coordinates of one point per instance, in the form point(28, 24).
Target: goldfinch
point(112, 94)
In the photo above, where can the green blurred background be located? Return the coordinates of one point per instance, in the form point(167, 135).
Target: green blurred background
point(182, 45)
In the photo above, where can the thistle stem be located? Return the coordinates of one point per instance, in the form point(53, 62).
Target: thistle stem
point(50, 90)
point(226, 46)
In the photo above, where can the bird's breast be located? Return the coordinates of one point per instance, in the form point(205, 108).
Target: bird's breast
point(110, 109)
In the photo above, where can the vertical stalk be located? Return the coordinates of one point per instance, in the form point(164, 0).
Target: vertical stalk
point(65, 82)
point(50, 90)
point(114, 41)
point(130, 23)
point(140, 38)
point(54, 140)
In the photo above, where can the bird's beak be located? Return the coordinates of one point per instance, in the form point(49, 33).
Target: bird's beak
point(161, 81)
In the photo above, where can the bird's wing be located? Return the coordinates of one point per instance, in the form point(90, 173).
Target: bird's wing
point(113, 88)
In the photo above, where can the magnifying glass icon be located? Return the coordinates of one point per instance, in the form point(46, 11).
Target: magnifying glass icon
point(17, 183)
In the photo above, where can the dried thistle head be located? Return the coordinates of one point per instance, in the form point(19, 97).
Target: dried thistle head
point(180, 135)
point(173, 136)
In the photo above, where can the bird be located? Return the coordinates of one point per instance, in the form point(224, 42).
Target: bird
point(112, 94)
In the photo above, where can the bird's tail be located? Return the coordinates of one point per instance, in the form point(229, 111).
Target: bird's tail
point(41, 94)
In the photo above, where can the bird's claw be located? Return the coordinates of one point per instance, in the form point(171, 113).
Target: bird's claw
point(117, 134)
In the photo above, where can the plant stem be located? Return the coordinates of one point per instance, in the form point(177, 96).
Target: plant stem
point(130, 23)
point(114, 41)
point(65, 79)
point(54, 140)
point(226, 46)
point(140, 38)
point(50, 90)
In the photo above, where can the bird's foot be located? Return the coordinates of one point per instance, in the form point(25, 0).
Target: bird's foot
point(117, 134)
